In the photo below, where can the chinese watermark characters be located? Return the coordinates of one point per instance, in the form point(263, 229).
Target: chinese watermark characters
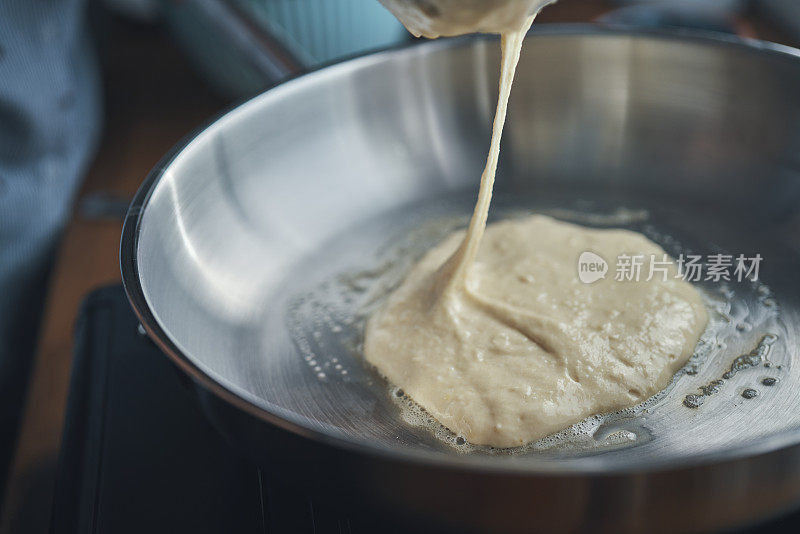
point(688, 267)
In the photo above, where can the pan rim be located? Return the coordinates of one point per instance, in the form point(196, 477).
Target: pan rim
point(589, 465)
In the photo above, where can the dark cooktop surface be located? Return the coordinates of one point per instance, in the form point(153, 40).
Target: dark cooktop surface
point(138, 456)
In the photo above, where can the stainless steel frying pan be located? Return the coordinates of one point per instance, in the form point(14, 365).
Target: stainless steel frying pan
point(254, 250)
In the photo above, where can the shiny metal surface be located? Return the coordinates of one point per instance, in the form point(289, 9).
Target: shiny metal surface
point(252, 253)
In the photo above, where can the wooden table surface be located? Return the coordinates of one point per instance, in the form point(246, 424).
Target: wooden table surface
point(153, 98)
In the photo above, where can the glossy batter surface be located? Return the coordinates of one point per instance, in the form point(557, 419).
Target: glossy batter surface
point(494, 334)
point(521, 348)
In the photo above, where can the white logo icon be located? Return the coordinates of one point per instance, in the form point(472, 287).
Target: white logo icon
point(591, 267)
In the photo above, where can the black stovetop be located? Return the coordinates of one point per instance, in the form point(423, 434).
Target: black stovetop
point(138, 456)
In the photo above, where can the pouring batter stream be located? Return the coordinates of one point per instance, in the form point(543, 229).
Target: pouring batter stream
point(495, 336)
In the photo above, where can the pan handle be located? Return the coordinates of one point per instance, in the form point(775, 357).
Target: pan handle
point(263, 51)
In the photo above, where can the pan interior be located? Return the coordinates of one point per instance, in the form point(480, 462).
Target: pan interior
point(269, 237)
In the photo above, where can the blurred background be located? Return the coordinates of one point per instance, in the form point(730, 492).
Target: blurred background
point(94, 92)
